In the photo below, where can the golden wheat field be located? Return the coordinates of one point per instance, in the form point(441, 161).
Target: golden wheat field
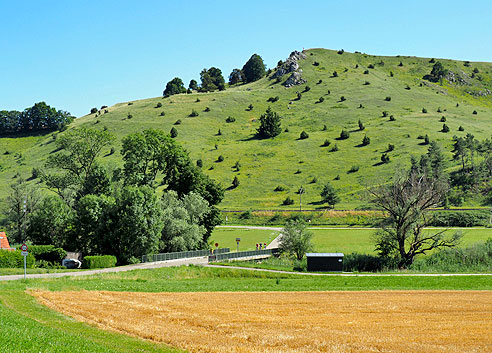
point(384, 321)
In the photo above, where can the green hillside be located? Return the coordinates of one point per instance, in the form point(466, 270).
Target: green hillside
point(287, 160)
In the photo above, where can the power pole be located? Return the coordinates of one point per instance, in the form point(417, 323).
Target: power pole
point(301, 191)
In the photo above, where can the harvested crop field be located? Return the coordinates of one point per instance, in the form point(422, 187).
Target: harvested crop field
point(384, 321)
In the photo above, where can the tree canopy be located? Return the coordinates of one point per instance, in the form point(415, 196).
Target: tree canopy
point(407, 201)
point(438, 72)
point(36, 118)
point(175, 86)
point(254, 69)
point(296, 239)
point(76, 158)
point(212, 80)
point(236, 77)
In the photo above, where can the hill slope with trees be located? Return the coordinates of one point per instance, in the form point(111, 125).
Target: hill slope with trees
point(354, 119)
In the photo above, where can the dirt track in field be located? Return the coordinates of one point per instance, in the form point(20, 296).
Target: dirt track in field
point(384, 321)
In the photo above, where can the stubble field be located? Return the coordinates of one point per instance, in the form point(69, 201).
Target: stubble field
point(375, 321)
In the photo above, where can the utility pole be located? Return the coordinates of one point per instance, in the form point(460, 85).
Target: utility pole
point(301, 191)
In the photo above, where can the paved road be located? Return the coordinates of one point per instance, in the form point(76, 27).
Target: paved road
point(349, 274)
point(147, 265)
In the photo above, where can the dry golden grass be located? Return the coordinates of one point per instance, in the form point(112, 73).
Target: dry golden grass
point(387, 321)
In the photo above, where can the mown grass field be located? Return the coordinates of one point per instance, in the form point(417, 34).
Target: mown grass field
point(29, 327)
point(286, 160)
point(330, 240)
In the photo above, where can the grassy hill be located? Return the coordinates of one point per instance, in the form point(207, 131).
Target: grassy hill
point(286, 160)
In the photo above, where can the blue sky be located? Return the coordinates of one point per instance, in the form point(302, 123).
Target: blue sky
point(75, 55)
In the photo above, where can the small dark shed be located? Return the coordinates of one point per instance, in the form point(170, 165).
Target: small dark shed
point(324, 262)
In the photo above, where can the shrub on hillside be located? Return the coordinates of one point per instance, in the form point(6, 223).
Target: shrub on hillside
point(207, 109)
point(344, 134)
point(174, 132)
point(273, 99)
point(178, 122)
point(385, 114)
point(353, 169)
point(193, 113)
point(424, 110)
point(279, 188)
point(304, 135)
point(288, 201)
point(445, 128)
point(461, 128)
point(230, 119)
point(392, 118)
point(443, 119)
point(163, 113)
point(220, 158)
point(159, 105)
point(366, 140)
point(387, 99)
point(326, 143)
point(385, 158)
point(103, 261)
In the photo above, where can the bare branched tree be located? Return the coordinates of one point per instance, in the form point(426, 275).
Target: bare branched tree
point(407, 201)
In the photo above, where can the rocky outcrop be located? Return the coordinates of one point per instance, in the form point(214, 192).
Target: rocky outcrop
point(295, 79)
point(291, 66)
point(458, 78)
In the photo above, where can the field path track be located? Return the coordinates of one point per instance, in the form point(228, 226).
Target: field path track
point(148, 265)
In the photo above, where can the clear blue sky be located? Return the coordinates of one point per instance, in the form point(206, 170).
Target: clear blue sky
point(75, 55)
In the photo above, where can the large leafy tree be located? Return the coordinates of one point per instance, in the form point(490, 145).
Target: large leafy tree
point(52, 223)
point(152, 153)
point(269, 124)
point(136, 224)
point(296, 239)
point(21, 202)
point(407, 201)
point(38, 117)
point(193, 85)
point(175, 86)
point(77, 161)
point(236, 76)
point(146, 154)
point(182, 219)
point(212, 80)
point(254, 69)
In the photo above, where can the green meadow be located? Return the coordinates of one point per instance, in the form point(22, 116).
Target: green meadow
point(331, 240)
point(286, 160)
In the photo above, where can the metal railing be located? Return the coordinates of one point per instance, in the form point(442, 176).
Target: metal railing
point(240, 254)
point(182, 255)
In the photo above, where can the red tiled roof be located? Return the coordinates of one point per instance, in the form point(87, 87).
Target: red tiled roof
point(4, 242)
